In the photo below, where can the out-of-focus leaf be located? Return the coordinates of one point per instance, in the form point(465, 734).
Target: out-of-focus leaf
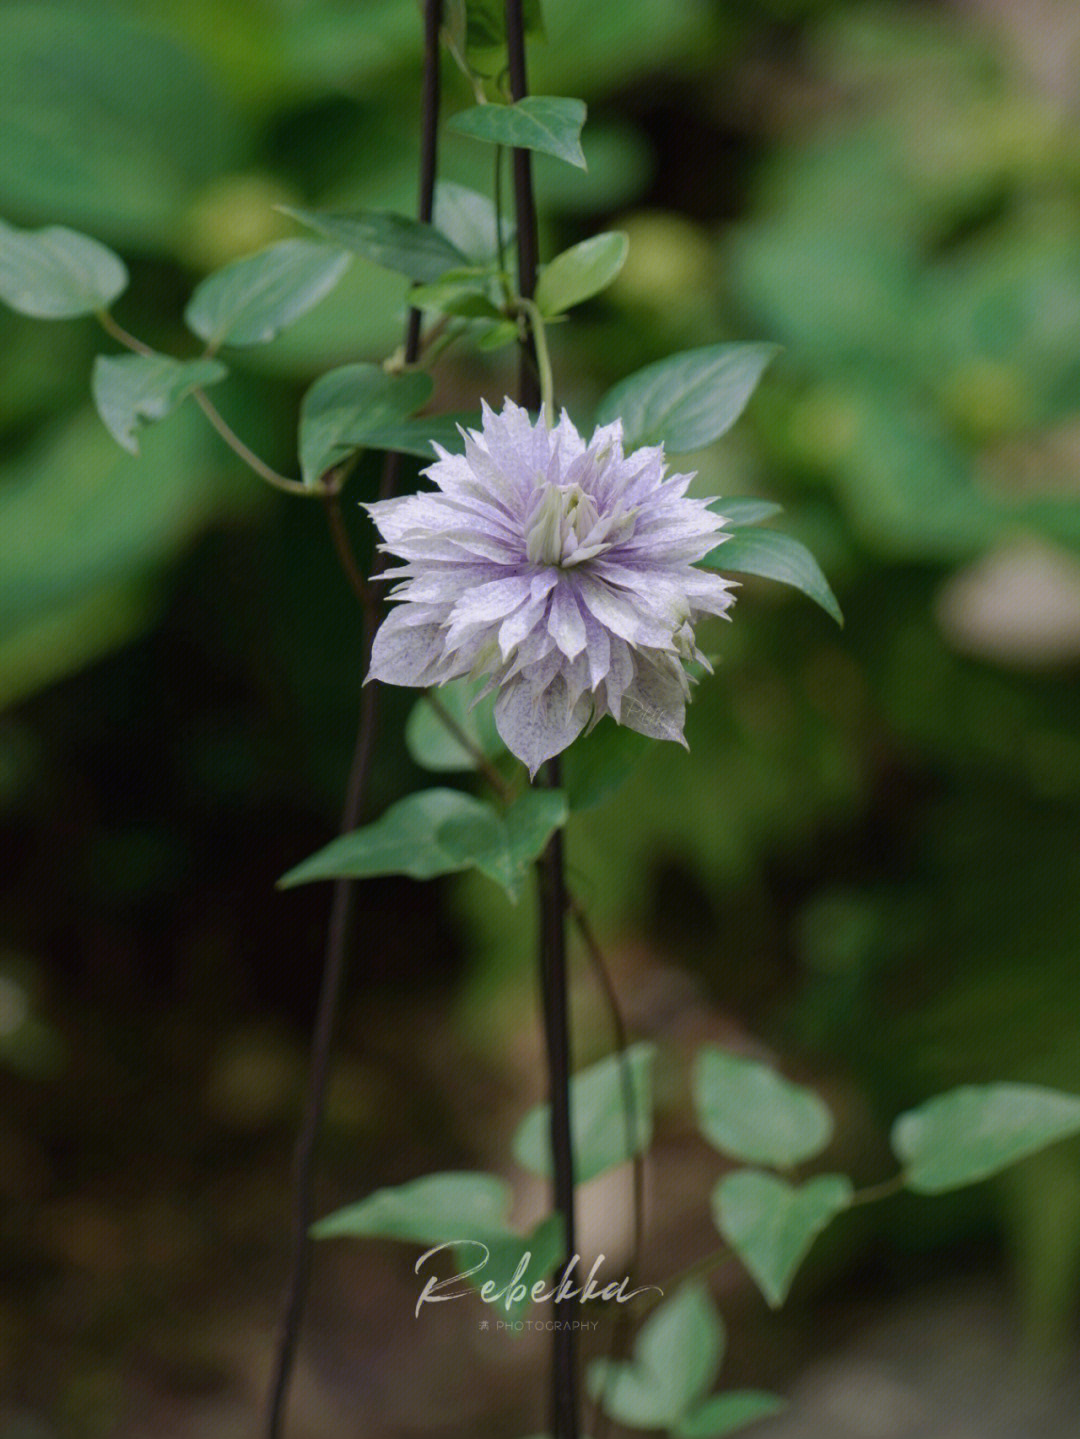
point(676, 1360)
point(580, 272)
point(771, 1224)
point(688, 400)
point(726, 1413)
point(56, 274)
point(434, 745)
point(250, 301)
point(130, 390)
point(548, 123)
point(468, 221)
point(106, 122)
point(745, 511)
point(973, 1132)
point(436, 1209)
point(748, 1111)
point(596, 765)
point(601, 1126)
point(343, 407)
point(88, 529)
point(775, 556)
point(393, 241)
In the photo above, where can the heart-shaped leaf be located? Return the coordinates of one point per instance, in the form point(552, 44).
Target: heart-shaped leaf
point(56, 274)
point(688, 400)
point(750, 1112)
point(443, 831)
point(610, 1116)
point(771, 1224)
point(975, 1131)
point(129, 390)
point(549, 123)
point(581, 272)
point(775, 556)
point(253, 299)
point(676, 1360)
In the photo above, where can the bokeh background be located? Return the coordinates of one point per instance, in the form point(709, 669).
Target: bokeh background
point(869, 868)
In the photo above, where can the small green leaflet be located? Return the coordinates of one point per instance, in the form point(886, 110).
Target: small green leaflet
point(748, 1111)
point(130, 390)
point(771, 1224)
point(975, 1131)
point(548, 123)
point(443, 831)
point(56, 274)
point(596, 765)
point(581, 272)
point(688, 400)
point(252, 300)
point(676, 1360)
point(347, 405)
point(600, 1121)
point(775, 556)
point(395, 242)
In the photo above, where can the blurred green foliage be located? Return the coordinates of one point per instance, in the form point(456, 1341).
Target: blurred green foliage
point(871, 853)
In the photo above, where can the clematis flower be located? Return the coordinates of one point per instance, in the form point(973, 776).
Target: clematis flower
point(563, 571)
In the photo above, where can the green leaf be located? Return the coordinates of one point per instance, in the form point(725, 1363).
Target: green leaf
point(468, 298)
point(975, 1131)
point(687, 401)
point(504, 333)
point(599, 1120)
point(676, 1360)
point(544, 1245)
point(739, 512)
point(113, 124)
point(251, 300)
point(596, 765)
point(436, 1209)
point(344, 407)
point(776, 556)
point(581, 272)
point(131, 389)
point(530, 822)
point(771, 1224)
point(469, 222)
point(546, 123)
point(434, 746)
point(395, 242)
point(727, 1413)
point(56, 274)
point(442, 831)
point(749, 1112)
point(416, 437)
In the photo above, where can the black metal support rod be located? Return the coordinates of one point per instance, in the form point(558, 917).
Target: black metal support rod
point(341, 904)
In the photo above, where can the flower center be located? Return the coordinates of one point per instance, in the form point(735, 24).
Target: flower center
point(567, 528)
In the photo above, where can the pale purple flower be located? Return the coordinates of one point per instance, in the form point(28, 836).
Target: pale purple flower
point(564, 572)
